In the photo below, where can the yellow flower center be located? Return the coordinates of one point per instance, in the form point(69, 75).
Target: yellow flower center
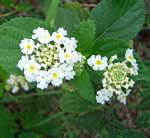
point(98, 62)
point(31, 68)
point(66, 55)
point(58, 36)
point(54, 76)
point(27, 46)
point(130, 57)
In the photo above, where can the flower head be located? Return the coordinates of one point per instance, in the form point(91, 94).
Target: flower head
point(52, 58)
point(117, 76)
point(16, 83)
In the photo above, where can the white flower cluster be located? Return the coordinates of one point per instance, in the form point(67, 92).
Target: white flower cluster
point(116, 76)
point(16, 83)
point(49, 58)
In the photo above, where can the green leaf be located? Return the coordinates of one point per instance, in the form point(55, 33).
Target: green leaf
point(118, 18)
point(29, 135)
point(70, 15)
point(84, 86)
point(51, 13)
point(131, 134)
point(6, 124)
point(11, 34)
point(109, 47)
point(73, 103)
point(144, 120)
point(75, 6)
point(144, 96)
point(91, 121)
point(85, 33)
point(143, 73)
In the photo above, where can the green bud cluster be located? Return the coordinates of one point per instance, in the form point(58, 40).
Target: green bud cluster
point(46, 56)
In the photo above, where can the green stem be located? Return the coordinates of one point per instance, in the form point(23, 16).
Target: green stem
point(52, 10)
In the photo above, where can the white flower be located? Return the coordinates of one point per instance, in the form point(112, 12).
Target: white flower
point(70, 44)
point(23, 83)
point(15, 89)
point(25, 86)
point(27, 46)
point(122, 96)
point(59, 36)
point(113, 58)
point(103, 96)
point(134, 68)
point(56, 76)
point(22, 62)
point(62, 31)
point(45, 37)
point(37, 33)
point(42, 85)
point(42, 35)
point(98, 62)
point(42, 78)
point(129, 56)
point(31, 68)
point(68, 71)
point(16, 83)
point(68, 56)
point(52, 59)
point(12, 79)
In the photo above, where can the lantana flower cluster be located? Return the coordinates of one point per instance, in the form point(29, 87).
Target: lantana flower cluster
point(16, 83)
point(117, 76)
point(49, 58)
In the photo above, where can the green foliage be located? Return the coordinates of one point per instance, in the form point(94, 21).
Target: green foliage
point(84, 86)
point(42, 114)
point(118, 19)
point(29, 135)
point(11, 35)
point(109, 47)
point(130, 134)
point(70, 16)
point(143, 120)
point(73, 103)
point(85, 33)
point(92, 121)
point(6, 124)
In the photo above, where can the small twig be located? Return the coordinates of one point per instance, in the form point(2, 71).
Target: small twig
point(7, 14)
point(89, 5)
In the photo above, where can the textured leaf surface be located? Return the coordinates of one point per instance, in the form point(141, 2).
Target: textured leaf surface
point(70, 15)
point(84, 86)
point(91, 121)
point(11, 33)
point(84, 33)
point(73, 103)
point(109, 47)
point(144, 120)
point(118, 18)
